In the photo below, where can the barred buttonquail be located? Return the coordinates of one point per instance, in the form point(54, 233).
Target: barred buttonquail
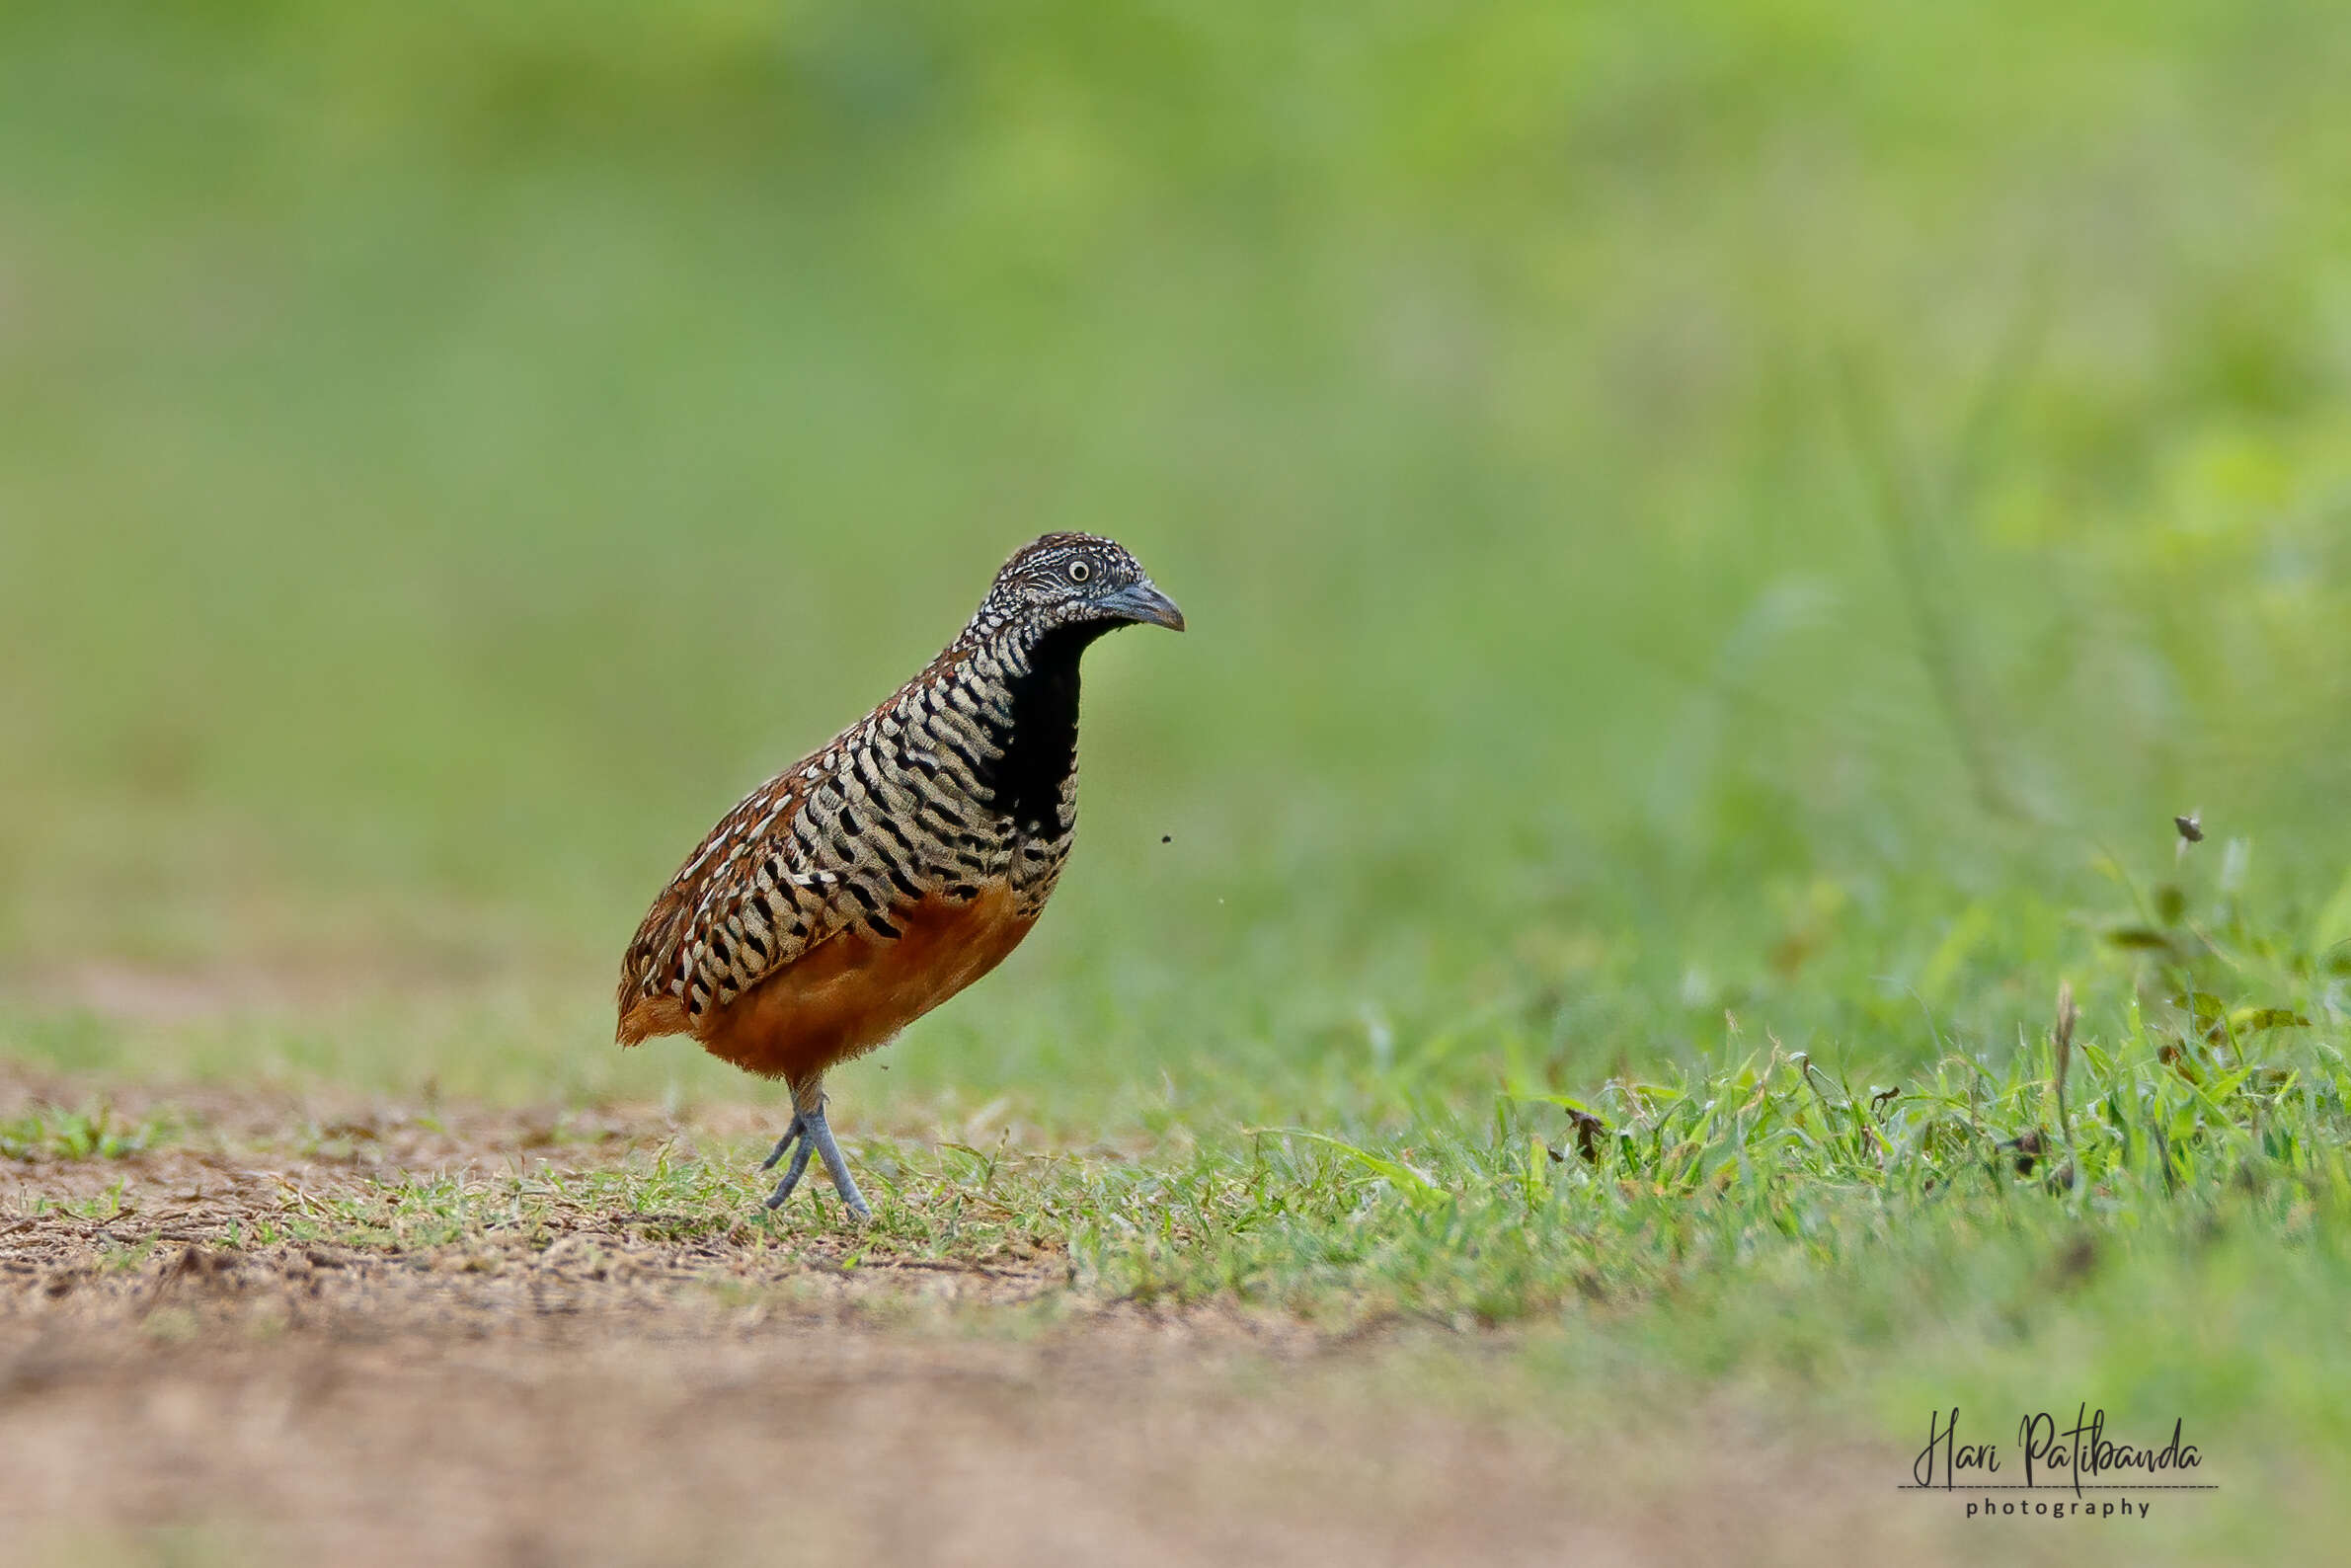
point(899, 862)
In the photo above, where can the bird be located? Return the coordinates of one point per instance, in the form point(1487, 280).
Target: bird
point(897, 863)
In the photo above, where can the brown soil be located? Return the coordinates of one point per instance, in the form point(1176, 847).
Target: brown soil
point(632, 1394)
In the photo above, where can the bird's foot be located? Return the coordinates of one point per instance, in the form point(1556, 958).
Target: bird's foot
point(815, 1138)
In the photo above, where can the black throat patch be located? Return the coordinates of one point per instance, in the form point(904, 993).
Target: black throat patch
point(1040, 744)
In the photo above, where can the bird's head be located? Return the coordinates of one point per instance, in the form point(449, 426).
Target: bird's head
point(1076, 580)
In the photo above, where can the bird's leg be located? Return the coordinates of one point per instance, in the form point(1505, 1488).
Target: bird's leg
point(815, 1138)
point(792, 1172)
point(834, 1166)
point(797, 1128)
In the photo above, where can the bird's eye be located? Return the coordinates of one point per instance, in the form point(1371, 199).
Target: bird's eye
point(1079, 571)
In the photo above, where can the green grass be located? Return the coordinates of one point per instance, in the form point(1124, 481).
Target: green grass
point(54, 1133)
point(1717, 535)
point(2164, 1236)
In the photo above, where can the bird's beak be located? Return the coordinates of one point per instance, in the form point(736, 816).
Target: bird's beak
point(1140, 602)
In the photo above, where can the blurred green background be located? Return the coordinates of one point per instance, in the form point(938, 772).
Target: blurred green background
point(1687, 509)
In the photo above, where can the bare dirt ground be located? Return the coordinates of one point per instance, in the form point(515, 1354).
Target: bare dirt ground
point(627, 1395)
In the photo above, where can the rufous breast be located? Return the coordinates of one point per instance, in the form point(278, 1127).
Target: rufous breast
point(853, 991)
